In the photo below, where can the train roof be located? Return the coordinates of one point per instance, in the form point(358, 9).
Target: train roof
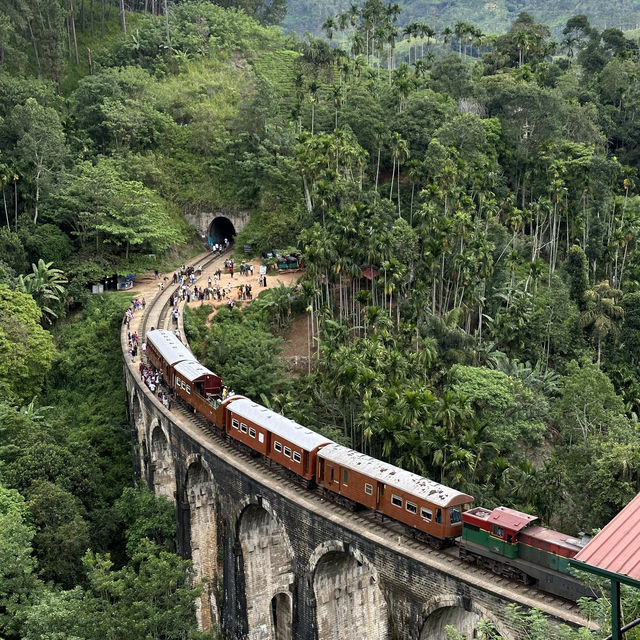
point(392, 476)
point(277, 424)
point(570, 543)
point(168, 346)
point(502, 517)
point(192, 370)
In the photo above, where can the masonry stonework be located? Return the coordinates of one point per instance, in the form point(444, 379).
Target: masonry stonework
point(294, 566)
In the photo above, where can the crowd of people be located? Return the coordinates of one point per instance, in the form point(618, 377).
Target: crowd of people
point(153, 379)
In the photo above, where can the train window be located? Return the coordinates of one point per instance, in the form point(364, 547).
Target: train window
point(243, 427)
point(252, 432)
point(261, 437)
point(277, 446)
point(296, 456)
point(368, 489)
point(287, 452)
point(439, 516)
point(411, 508)
point(331, 474)
point(497, 531)
point(345, 477)
point(454, 515)
point(188, 389)
point(426, 514)
point(396, 500)
point(234, 423)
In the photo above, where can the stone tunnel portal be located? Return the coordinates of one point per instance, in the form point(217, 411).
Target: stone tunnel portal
point(220, 229)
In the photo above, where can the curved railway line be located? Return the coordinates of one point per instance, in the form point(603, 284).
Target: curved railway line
point(388, 533)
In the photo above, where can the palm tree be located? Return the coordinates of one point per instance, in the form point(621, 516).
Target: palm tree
point(46, 285)
point(313, 98)
point(399, 153)
point(522, 42)
point(602, 312)
point(329, 26)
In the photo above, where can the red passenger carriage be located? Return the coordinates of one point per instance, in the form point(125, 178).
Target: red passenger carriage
point(427, 506)
point(278, 438)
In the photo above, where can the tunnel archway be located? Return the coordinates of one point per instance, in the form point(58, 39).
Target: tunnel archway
point(203, 539)
point(219, 229)
point(163, 475)
point(268, 571)
point(349, 601)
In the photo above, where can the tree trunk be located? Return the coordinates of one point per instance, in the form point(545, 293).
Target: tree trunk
point(123, 19)
point(6, 211)
point(35, 213)
point(72, 19)
point(35, 47)
point(166, 21)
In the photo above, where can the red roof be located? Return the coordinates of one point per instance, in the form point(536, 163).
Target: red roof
point(369, 273)
point(617, 547)
point(510, 518)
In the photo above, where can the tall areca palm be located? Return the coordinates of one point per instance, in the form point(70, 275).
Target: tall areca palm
point(399, 153)
point(602, 312)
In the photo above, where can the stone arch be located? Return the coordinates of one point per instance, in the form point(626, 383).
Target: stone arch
point(281, 615)
point(163, 473)
point(220, 228)
point(460, 612)
point(349, 601)
point(203, 538)
point(267, 558)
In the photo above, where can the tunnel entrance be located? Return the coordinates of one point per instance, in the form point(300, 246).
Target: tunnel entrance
point(220, 229)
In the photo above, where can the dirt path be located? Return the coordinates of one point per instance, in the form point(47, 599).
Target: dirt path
point(147, 286)
point(274, 279)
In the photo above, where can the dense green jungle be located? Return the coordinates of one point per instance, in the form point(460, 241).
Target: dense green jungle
point(468, 210)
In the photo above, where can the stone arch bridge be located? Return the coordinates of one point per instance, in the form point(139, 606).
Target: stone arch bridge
point(280, 563)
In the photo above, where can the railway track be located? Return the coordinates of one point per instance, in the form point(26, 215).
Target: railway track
point(156, 315)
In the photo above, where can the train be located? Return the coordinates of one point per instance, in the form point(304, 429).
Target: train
point(506, 541)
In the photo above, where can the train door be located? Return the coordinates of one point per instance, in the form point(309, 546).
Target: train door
point(320, 470)
point(379, 495)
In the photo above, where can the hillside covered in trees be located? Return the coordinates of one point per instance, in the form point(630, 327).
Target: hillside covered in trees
point(469, 216)
point(491, 16)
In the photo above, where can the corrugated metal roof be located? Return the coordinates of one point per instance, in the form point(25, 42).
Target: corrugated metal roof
point(169, 347)
point(192, 370)
point(392, 476)
point(277, 424)
point(510, 518)
point(617, 547)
